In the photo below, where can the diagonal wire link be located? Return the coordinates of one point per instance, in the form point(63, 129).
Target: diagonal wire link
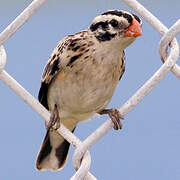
point(20, 20)
point(2, 58)
point(165, 41)
point(36, 106)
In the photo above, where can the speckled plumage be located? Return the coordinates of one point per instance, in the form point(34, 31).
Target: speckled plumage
point(81, 76)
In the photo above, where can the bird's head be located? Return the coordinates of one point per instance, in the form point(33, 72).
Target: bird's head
point(116, 26)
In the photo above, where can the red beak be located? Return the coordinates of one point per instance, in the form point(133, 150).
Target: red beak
point(134, 29)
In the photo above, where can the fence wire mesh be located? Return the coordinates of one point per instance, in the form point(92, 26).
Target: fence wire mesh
point(81, 157)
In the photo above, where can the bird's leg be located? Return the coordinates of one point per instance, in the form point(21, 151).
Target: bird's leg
point(54, 119)
point(115, 116)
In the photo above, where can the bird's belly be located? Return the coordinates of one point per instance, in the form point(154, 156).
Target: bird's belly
point(79, 93)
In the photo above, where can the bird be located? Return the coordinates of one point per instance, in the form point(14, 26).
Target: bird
point(80, 78)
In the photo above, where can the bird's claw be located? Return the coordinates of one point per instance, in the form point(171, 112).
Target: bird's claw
point(54, 121)
point(115, 116)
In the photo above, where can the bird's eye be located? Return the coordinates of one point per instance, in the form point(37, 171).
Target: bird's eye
point(114, 23)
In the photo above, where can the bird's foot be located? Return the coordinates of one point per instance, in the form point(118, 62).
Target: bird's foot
point(115, 116)
point(54, 119)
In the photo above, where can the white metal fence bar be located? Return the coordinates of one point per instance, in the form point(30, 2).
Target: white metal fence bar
point(36, 106)
point(20, 20)
point(30, 100)
point(81, 157)
point(2, 58)
point(173, 31)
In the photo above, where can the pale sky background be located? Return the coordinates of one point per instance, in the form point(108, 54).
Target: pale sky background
point(147, 147)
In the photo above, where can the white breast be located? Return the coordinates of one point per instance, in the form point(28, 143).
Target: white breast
point(87, 86)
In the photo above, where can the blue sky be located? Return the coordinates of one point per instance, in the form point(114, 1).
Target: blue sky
point(148, 145)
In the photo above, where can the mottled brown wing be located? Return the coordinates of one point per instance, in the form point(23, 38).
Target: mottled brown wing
point(65, 54)
point(52, 67)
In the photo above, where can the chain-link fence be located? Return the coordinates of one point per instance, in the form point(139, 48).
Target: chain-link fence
point(81, 157)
